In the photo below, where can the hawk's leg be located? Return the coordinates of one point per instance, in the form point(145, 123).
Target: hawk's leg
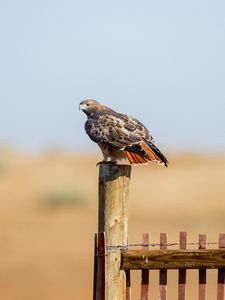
point(110, 156)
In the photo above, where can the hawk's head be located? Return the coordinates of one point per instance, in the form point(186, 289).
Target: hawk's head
point(89, 106)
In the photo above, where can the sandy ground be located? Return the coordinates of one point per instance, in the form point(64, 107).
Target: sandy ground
point(48, 218)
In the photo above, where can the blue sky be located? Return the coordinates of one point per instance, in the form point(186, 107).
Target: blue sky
point(160, 61)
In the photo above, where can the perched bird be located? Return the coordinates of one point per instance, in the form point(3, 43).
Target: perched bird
point(119, 136)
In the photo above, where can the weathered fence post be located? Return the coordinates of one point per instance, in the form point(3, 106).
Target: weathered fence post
point(113, 220)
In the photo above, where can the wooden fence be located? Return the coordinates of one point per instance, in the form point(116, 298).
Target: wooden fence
point(147, 258)
point(114, 258)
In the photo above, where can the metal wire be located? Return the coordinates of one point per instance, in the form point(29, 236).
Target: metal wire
point(126, 247)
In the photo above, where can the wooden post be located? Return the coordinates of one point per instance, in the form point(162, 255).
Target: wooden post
point(113, 220)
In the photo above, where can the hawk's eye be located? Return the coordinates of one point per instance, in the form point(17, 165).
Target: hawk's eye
point(88, 104)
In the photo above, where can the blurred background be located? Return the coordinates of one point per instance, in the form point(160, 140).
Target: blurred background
point(162, 62)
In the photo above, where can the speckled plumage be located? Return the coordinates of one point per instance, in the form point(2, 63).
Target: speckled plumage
point(120, 136)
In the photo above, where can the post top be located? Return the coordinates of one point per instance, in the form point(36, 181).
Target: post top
point(108, 171)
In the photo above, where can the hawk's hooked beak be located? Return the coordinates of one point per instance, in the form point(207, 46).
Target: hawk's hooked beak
point(83, 107)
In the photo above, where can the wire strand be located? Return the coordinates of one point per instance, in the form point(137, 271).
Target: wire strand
point(126, 247)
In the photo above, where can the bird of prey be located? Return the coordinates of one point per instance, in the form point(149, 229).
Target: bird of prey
point(120, 136)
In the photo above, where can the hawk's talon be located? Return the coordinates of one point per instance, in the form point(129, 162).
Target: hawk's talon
point(106, 162)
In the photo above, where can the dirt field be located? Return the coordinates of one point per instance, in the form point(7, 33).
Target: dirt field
point(48, 217)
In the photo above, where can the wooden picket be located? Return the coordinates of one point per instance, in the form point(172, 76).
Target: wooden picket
point(99, 267)
point(202, 272)
point(145, 273)
point(163, 273)
point(128, 285)
point(182, 272)
point(221, 272)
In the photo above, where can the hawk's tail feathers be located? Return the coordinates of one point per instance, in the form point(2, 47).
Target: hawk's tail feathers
point(154, 153)
point(150, 153)
point(136, 159)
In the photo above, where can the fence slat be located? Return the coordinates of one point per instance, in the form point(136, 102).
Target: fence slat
point(128, 285)
point(202, 272)
point(145, 273)
point(163, 273)
point(95, 266)
point(182, 272)
point(100, 283)
point(221, 272)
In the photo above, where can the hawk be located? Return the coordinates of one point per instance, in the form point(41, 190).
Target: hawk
point(120, 136)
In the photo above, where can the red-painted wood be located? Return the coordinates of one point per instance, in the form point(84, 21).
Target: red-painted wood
point(221, 272)
point(163, 273)
point(202, 272)
point(145, 273)
point(182, 272)
point(128, 285)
